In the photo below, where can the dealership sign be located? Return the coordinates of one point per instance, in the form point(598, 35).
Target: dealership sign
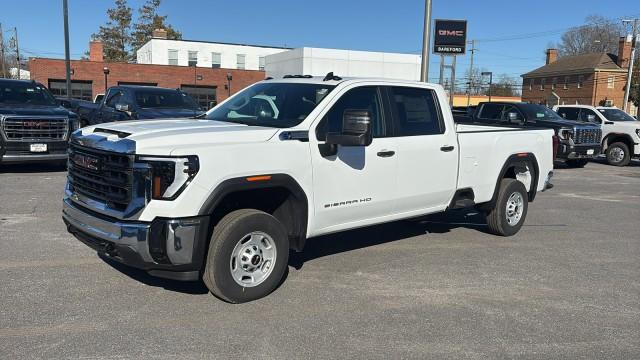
point(450, 37)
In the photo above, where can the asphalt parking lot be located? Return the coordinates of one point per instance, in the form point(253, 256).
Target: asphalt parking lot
point(566, 286)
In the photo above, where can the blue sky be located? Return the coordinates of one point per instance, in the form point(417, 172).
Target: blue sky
point(391, 26)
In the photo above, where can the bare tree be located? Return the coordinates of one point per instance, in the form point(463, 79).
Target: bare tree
point(596, 36)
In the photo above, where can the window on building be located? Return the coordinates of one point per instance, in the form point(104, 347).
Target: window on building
point(542, 82)
point(240, 61)
point(216, 60)
point(80, 89)
point(173, 57)
point(580, 81)
point(193, 58)
point(610, 82)
point(204, 95)
point(554, 82)
point(531, 83)
point(261, 63)
point(566, 82)
point(608, 103)
point(416, 112)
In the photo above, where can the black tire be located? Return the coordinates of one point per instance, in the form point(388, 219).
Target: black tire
point(613, 157)
point(231, 229)
point(497, 217)
point(577, 163)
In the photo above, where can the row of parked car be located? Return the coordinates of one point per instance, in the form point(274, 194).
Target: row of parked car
point(35, 126)
point(582, 132)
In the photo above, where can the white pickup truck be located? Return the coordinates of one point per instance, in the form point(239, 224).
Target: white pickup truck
point(620, 132)
point(226, 197)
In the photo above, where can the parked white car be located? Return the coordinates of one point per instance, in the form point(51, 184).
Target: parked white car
point(225, 198)
point(620, 131)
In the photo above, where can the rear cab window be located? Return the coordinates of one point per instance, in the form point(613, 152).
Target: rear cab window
point(416, 111)
point(569, 113)
point(490, 112)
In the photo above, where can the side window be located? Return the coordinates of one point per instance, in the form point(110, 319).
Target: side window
point(113, 100)
point(587, 115)
point(491, 111)
point(416, 112)
point(569, 113)
point(362, 98)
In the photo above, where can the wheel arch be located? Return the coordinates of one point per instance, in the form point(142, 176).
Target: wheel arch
point(277, 194)
point(617, 137)
point(509, 170)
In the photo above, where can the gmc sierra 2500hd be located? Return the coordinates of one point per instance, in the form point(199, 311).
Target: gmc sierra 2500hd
point(225, 198)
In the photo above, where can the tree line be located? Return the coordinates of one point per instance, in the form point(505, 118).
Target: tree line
point(121, 37)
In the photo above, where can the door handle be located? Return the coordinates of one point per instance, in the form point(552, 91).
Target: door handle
point(386, 153)
point(447, 148)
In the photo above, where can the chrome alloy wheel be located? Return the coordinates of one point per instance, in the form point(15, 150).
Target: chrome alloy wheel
point(617, 154)
point(514, 211)
point(253, 259)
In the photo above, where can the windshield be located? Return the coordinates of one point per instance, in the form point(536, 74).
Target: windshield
point(535, 112)
point(278, 105)
point(616, 115)
point(25, 93)
point(147, 99)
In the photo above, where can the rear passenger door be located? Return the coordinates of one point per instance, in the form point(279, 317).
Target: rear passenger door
point(427, 150)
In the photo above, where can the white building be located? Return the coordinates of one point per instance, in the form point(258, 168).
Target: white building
point(161, 51)
point(346, 63)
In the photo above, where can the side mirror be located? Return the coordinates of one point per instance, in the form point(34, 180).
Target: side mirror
point(356, 129)
point(122, 107)
point(591, 118)
point(513, 116)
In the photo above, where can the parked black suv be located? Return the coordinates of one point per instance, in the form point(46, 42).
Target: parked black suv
point(577, 142)
point(33, 125)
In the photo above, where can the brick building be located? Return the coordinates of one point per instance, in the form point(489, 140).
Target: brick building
point(597, 79)
point(88, 79)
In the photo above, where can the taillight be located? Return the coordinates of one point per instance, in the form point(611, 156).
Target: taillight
point(556, 145)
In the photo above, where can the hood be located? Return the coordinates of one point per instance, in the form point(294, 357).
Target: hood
point(162, 137)
point(563, 123)
point(629, 126)
point(26, 110)
point(167, 113)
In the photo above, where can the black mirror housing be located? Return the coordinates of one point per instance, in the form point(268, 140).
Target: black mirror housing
point(356, 129)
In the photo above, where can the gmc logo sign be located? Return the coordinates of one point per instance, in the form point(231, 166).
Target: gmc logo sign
point(450, 32)
point(35, 124)
point(450, 37)
point(87, 162)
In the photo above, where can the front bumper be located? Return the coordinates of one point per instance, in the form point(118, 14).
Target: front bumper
point(570, 152)
point(19, 152)
point(167, 248)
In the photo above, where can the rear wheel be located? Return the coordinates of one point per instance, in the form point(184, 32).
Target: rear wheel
point(618, 154)
point(577, 163)
point(510, 210)
point(248, 256)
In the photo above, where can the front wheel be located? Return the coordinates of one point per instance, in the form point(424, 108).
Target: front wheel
point(248, 256)
point(510, 210)
point(618, 154)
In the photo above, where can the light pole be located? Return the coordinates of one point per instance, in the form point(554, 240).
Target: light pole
point(426, 36)
point(490, 75)
point(67, 59)
point(229, 78)
point(105, 70)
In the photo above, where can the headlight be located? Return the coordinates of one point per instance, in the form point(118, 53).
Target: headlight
point(638, 132)
point(565, 134)
point(170, 175)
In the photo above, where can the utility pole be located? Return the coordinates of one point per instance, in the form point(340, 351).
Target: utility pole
point(634, 41)
point(473, 50)
point(426, 36)
point(15, 36)
point(4, 69)
point(67, 58)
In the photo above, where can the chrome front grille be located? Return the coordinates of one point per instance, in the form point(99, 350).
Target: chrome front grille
point(587, 136)
point(101, 175)
point(35, 128)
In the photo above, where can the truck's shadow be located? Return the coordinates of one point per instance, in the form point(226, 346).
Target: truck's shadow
point(333, 244)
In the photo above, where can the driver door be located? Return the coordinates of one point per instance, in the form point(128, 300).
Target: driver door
point(356, 184)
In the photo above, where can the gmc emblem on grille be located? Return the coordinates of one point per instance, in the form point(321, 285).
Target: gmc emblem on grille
point(35, 124)
point(86, 162)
